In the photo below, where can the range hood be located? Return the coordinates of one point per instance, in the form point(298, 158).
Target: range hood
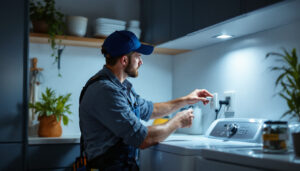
point(256, 21)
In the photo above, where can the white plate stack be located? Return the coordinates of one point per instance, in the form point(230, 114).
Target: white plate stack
point(134, 26)
point(106, 26)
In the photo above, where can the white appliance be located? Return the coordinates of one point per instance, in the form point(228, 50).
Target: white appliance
point(252, 159)
point(179, 152)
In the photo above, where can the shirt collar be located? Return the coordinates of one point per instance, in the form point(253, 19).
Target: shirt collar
point(126, 84)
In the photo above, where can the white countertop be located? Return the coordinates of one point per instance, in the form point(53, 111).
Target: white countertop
point(65, 139)
point(76, 139)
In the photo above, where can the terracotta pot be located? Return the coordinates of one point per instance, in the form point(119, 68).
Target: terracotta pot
point(49, 127)
point(40, 26)
point(296, 142)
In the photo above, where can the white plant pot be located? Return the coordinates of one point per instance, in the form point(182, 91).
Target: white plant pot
point(76, 25)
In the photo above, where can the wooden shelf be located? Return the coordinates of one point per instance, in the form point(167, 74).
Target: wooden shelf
point(92, 42)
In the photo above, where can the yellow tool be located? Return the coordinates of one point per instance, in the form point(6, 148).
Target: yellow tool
point(160, 121)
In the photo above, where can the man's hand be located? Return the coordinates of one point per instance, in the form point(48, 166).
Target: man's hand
point(157, 133)
point(185, 118)
point(198, 95)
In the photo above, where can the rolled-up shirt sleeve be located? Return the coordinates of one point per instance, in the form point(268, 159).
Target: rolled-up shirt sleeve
point(115, 113)
point(146, 108)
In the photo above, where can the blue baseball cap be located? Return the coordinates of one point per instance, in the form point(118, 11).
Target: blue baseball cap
point(123, 42)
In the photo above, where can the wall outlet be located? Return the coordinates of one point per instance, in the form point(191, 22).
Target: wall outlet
point(230, 95)
point(214, 102)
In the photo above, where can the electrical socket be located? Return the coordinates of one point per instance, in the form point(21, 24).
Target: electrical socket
point(214, 102)
point(230, 95)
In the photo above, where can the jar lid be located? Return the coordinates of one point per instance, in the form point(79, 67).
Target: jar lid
point(275, 122)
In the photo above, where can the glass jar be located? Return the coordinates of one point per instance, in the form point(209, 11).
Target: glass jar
point(275, 136)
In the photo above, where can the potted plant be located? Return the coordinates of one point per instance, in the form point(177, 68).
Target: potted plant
point(46, 19)
point(51, 110)
point(289, 79)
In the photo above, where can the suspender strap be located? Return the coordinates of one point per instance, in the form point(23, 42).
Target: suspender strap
point(90, 81)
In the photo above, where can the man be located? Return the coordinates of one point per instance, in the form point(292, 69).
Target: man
point(110, 110)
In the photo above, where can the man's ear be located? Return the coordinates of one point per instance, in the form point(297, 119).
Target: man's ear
point(124, 60)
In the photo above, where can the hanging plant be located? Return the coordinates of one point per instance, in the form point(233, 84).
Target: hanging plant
point(46, 19)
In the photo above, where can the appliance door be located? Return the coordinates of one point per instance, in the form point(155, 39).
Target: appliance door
point(205, 164)
point(157, 160)
point(253, 158)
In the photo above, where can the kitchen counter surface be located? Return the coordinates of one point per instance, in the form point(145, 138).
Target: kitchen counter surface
point(65, 139)
point(76, 139)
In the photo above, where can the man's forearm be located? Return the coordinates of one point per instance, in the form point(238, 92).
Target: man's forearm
point(158, 133)
point(165, 108)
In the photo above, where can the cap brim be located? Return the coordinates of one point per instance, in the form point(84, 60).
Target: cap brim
point(145, 49)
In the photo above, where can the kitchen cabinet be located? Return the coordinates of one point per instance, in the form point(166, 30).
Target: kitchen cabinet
point(13, 87)
point(155, 21)
point(52, 156)
point(207, 13)
point(181, 18)
point(11, 156)
point(251, 5)
point(161, 21)
point(146, 20)
point(167, 20)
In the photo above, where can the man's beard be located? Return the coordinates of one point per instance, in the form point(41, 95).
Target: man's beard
point(130, 71)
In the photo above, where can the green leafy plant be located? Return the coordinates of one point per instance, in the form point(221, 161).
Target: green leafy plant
point(289, 79)
point(52, 105)
point(44, 10)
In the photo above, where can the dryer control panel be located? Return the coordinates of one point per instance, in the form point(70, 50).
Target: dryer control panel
point(247, 130)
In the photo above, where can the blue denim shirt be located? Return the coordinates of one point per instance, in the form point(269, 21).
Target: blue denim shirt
point(106, 115)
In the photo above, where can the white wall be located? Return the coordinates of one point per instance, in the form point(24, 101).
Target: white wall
point(78, 64)
point(239, 65)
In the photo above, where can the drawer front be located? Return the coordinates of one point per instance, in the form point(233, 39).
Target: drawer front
point(11, 156)
point(52, 156)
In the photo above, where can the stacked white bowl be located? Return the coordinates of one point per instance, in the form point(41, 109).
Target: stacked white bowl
point(76, 25)
point(134, 26)
point(105, 26)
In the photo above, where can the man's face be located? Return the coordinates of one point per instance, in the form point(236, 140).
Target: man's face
point(135, 61)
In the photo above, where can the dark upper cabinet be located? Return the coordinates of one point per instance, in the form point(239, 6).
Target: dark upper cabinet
point(161, 21)
point(146, 21)
point(181, 18)
point(165, 20)
point(251, 5)
point(155, 21)
point(207, 13)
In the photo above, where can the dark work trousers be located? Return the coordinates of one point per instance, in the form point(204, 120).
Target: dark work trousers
point(117, 158)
